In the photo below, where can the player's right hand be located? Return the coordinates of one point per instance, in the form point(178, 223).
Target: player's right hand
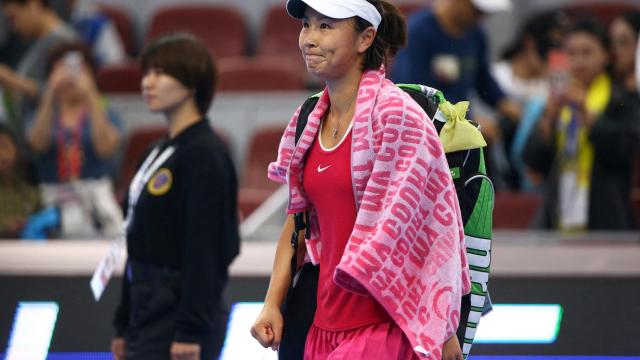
point(268, 327)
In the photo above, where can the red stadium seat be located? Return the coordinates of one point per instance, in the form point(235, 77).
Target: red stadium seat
point(122, 21)
point(262, 73)
point(515, 210)
point(222, 28)
point(279, 36)
point(604, 11)
point(138, 142)
point(255, 187)
point(120, 79)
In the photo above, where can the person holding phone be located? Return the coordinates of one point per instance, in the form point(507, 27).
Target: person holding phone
point(586, 140)
point(366, 146)
point(74, 133)
point(74, 137)
point(182, 218)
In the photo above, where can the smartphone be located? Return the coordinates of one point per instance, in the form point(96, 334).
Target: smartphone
point(559, 83)
point(73, 63)
point(559, 78)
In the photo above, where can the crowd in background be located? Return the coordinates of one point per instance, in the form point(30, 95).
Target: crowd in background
point(59, 123)
point(564, 119)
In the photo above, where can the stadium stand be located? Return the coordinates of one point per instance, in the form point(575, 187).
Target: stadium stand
point(515, 210)
point(260, 73)
point(122, 21)
point(222, 28)
point(255, 187)
point(120, 79)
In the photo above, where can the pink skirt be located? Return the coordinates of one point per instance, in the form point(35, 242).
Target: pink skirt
point(377, 341)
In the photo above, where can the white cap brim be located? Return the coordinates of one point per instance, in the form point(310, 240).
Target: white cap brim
point(492, 6)
point(336, 9)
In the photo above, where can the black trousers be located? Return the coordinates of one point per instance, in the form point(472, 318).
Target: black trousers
point(154, 298)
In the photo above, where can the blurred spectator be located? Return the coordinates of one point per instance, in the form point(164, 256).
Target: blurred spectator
point(447, 49)
point(19, 197)
point(523, 74)
point(10, 51)
point(98, 32)
point(33, 20)
point(586, 138)
point(75, 136)
point(522, 70)
point(12, 47)
point(624, 32)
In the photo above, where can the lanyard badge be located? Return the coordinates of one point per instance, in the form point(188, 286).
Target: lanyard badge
point(114, 257)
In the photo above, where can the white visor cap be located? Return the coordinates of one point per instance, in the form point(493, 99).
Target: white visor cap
point(492, 6)
point(336, 9)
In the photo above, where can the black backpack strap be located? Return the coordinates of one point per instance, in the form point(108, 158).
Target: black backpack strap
point(305, 110)
point(301, 219)
point(300, 306)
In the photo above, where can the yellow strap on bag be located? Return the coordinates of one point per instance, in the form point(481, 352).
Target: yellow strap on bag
point(458, 133)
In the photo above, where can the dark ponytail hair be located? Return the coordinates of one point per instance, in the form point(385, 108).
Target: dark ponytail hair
point(390, 37)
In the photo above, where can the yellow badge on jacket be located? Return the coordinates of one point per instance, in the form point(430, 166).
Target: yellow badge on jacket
point(160, 183)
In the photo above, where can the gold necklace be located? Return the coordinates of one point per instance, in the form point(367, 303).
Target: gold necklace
point(335, 130)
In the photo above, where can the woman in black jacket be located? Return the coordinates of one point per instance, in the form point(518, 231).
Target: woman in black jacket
point(181, 227)
point(616, 135)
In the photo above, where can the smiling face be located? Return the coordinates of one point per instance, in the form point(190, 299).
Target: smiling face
point(331, 48)
point(162, 92)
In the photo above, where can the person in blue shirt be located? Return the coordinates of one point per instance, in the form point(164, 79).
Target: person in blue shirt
point(447, 50)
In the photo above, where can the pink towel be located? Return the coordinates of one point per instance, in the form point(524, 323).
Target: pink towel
point(407, 247)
